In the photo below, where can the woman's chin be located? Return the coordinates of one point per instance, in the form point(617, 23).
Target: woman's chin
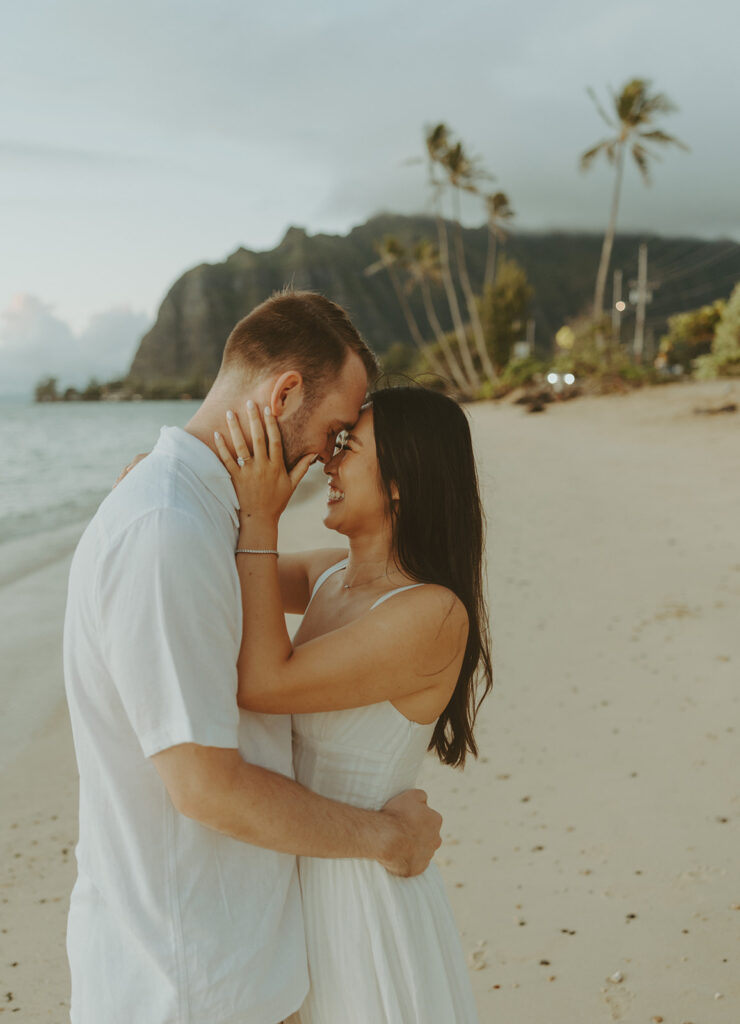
point(332, 517)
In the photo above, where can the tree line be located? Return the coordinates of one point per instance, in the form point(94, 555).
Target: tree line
point(478, 357)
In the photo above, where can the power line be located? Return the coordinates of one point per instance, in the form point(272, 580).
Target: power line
point(734, 276)
point(677, 259)
point(702, 264)
point(687, 248)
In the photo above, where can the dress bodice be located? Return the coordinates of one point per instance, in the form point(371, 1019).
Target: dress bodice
point(361, 756)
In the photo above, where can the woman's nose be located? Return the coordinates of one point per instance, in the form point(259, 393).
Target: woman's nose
point(332, 462)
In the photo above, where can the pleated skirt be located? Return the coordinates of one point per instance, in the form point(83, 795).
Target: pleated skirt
point(381, 949)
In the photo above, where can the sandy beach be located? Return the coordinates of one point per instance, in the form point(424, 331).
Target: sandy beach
point(591, 853)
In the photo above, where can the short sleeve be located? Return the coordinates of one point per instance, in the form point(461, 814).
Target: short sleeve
point(170, 620)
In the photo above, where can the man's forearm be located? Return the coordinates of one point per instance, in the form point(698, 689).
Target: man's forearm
point(266, 809)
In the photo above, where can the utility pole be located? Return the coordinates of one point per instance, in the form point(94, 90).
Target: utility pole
point(617, 307)
point(643, 297)
point(530, 335)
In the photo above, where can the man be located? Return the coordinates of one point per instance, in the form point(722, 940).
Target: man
point(186, 908)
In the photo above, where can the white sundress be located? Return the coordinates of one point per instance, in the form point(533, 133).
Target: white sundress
point(381, 949)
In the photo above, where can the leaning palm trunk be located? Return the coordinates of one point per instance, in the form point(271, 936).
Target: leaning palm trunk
point(606, 248)
point(455, 369)
point(635, 108)
point(416, 334)
point(449, 285)
point(490, 275)
point(462, 269)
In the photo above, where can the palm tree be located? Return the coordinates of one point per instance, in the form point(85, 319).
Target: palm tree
point(393, 255)
point(499, 210)
point(424, 269)
point(635, 108)
point(437, 143)
point(463, 173)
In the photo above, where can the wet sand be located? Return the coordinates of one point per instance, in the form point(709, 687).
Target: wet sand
point(591, 853)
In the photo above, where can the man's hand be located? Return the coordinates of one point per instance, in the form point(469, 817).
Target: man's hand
point(417, 834)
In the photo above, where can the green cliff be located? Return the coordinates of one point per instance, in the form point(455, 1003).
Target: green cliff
point(197, 314)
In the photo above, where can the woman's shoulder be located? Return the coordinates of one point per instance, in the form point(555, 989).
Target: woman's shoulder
point(424, 629)
point(432, 609)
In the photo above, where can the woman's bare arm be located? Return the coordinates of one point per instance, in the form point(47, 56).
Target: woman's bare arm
point(299, 571)
point(413, 642)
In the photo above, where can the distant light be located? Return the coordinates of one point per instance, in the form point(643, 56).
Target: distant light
point(620, 306)
point(553, 378)
point(569, 378)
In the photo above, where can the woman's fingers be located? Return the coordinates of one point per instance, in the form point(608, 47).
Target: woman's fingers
point(274, 438)
point(259, 447)
point(223, 451)
point(237, 436)
point(299, 471)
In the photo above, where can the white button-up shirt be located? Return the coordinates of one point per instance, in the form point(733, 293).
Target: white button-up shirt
point(170, 922)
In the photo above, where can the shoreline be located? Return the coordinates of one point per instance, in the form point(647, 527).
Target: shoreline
point(23, 556)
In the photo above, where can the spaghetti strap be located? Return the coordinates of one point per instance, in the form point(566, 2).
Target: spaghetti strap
point(325, 576)
point(398, 590)
point(343, 565)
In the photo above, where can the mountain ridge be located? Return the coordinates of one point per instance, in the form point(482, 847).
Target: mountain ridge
point(204, 303)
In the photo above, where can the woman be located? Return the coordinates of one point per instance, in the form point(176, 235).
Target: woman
point(381, 669)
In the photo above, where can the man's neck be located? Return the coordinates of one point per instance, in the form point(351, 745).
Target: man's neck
point(211, 416)
point(201, 427)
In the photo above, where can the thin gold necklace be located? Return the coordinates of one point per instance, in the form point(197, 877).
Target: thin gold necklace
point(353, 586)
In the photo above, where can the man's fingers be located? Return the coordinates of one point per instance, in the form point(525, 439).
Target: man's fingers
point(135, 462)
point(125, 472)
point(298, 471)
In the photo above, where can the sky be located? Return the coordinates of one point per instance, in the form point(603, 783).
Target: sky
point(138, 139)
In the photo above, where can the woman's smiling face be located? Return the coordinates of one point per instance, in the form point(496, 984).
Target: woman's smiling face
point(357, 501)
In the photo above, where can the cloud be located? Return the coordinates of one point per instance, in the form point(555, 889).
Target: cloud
point(24, 154)
point(36, 343)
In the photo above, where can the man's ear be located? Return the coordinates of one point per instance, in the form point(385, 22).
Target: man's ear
point(287, 393)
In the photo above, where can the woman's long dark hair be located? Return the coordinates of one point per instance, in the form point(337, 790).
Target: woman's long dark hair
point(424, 448)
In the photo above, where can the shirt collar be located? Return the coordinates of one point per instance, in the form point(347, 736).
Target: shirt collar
point(179, 444)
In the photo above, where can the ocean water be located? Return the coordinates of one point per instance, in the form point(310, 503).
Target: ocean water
point(58, 460)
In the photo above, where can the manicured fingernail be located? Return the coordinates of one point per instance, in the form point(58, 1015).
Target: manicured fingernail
point(217, 435)
point(229, 414)
point(250, 404)
point(268, 411)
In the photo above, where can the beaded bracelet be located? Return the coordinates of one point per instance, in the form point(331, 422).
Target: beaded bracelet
point(255, 551)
